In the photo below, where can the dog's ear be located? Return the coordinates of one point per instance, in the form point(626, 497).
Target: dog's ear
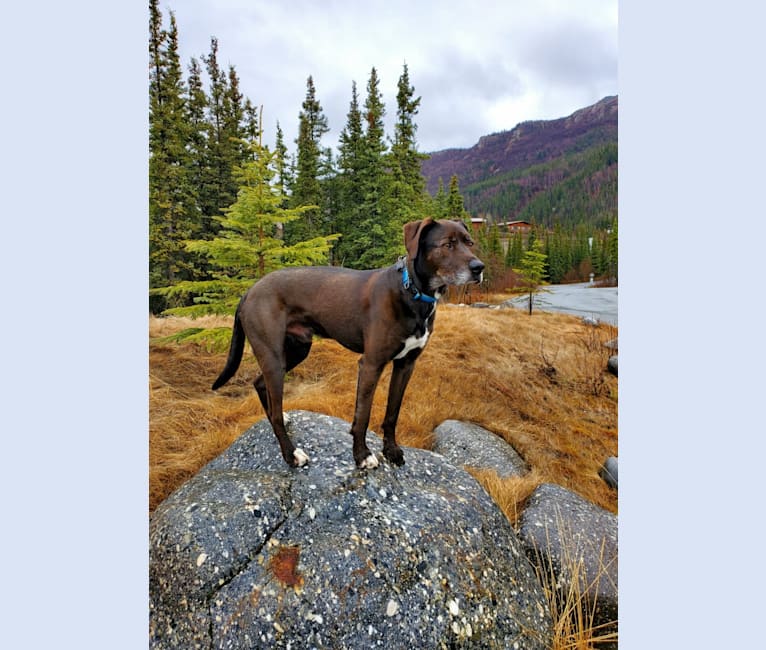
point(412, 232)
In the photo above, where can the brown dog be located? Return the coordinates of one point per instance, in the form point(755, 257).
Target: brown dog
point(385, 314)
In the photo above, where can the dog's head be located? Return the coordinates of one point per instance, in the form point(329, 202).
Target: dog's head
point(441, 250)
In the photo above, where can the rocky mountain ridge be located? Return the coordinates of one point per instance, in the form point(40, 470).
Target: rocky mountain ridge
point(528, 143)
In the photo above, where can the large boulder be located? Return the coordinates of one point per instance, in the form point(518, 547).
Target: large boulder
point(576, 542)
point(251, 553)
point(468, 445)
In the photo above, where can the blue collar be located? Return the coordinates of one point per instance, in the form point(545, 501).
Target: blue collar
point(409, 286)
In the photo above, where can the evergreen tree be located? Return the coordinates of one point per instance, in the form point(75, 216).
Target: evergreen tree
point(612, 247)
point(246, 247)
point(404, 150)
point(490, 250)
point(224, 136)
point(368, 243)
point(440, 201)
point(307, 189)
point(172, 207)
point(514, 252)
point(236, 125)
point(350, 163)
point(557, 250)
point(282, 164)
point(196, 105)
point(532, 270)
point(406, 199)
point(455, 207)
point(252, 121)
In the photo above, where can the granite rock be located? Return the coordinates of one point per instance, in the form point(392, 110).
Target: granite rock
point(574, 539)
point(252, 553)
point(468, 445)
point(608, 471)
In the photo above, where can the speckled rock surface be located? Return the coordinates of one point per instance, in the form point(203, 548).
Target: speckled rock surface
point(250, 553)
point(468, 444)
point(561, 530)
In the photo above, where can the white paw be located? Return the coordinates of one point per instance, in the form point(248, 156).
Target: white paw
point(300, 457)
point(371, 462)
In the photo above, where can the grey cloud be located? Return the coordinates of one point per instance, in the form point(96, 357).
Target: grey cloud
point(570, 54)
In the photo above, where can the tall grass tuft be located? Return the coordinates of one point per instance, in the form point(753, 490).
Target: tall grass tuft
point(572, 599)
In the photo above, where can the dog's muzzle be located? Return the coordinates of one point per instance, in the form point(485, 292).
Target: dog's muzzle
point(476, 267)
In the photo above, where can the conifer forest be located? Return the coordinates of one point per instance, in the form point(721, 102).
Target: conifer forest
point(226, 207)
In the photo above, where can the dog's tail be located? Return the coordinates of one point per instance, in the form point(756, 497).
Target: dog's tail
point(236, 348)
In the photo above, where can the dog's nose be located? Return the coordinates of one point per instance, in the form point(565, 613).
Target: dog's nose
point(476, 266)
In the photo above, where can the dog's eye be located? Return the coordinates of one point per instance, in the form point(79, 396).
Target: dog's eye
point(468, 243)
point(449, 244)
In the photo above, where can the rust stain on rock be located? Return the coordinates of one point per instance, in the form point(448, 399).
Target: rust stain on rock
point(284, 566)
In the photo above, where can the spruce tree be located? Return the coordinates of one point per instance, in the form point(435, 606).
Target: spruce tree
point(368, 242)
point(224, 136)
point(282, 163)
point(406, 198)
point(196, 105)
point(455, 207)
point(404, 150)
point(173, 214)
point(440, 201)
point(246, 247)
point(350, 163)
point(532, 270)
point(307, 189)
point(514, 252)
point(612, 247)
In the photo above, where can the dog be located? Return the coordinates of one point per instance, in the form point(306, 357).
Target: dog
point(386, 315)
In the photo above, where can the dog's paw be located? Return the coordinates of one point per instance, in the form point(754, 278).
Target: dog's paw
point(300, 457)
point(371, 462)
point(394, 454)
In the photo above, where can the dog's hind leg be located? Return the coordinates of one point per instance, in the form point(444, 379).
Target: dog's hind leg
point(295, 351)
point(271, 383)
point(263, 395)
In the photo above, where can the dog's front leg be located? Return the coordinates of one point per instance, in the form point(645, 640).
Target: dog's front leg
point(367, 381)
point(400, 377)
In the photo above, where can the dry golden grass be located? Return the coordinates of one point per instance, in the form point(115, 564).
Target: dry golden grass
point(538, 381)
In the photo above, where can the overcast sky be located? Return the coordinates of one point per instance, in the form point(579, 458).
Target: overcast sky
point(480, 67)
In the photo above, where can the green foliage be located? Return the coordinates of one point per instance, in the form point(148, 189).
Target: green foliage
point(578, 187)
point(214, 339)
point(173, 215)
point(307, 189)
point(369, 239)
point(246, 247)
point(514, 252)
point(455, 206)
point(532, 270)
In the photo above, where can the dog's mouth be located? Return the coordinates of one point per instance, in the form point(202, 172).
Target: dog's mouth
point(476, 266)
point(466, 276)
point(476, 279)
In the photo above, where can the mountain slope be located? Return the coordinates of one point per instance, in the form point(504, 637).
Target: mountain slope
point(562, 170)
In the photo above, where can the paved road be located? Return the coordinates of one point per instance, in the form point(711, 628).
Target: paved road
point(579, 299)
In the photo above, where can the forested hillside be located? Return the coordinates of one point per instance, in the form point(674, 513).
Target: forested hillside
point(559, 171)
point(225, 207)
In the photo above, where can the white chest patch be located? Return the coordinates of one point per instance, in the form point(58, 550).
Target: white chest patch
point(411, 343)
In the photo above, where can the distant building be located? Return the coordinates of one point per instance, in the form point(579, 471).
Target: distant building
point(517, 226)
point(477, 223)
